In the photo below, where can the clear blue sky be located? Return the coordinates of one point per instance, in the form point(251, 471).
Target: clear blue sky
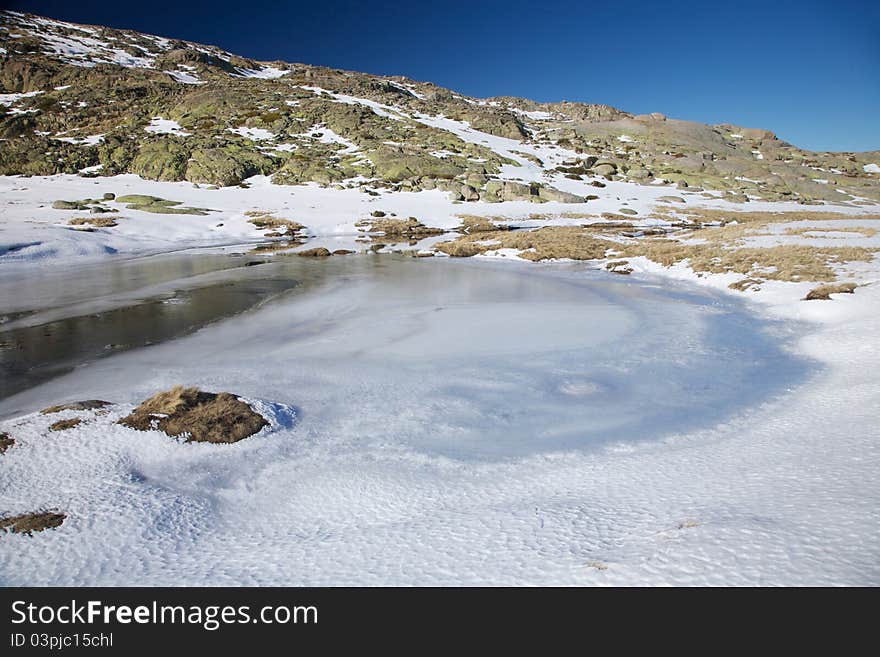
point(808, 70)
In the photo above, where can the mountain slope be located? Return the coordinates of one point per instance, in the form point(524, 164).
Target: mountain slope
point(100, 101)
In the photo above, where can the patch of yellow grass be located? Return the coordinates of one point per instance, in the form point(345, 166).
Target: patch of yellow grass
point(789, 262)
point(547, 243)
point(202, 416)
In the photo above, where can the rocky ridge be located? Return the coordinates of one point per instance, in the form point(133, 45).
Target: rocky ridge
point(98, 101)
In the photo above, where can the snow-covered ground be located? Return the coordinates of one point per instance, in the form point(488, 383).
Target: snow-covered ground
point(455, 422)
point(32, 232)
point(448, 422)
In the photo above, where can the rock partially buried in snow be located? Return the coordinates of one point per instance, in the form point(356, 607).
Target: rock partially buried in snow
point(200, 416)
point(61, 425)
point(824, 292)
point(318, 252)
point(27, 523)
point(87, 405)
point(5, 442)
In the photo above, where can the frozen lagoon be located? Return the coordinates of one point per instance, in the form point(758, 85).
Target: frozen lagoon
point(423, 392)
point(460, 358)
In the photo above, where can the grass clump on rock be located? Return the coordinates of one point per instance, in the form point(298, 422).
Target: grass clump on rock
point(200, 416)
point(27, 523)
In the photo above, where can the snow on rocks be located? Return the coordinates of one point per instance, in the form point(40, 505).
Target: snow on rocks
point(161, 126)
point(254, 134)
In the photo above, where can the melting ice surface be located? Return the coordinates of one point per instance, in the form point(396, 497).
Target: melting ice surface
point(405, 374)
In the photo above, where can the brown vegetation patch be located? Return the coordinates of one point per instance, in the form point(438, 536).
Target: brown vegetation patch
point(474, 223)
point(746, 284)
point(410, 227)
point(317, 252)
point(61, 425)
point(782, 263)
point(201, 416)
point(87, 405)
point(619, 267)
point(548, 243)
point(27, 523)
point(274, 247)
point(824, 292)
point(279, 227)
point(95, 222)
point(5, 442)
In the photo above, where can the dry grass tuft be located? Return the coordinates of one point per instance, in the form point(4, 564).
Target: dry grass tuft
point(201, 416)
point(87, 405)
point(474, 223)
point(746, 284)
point(619, 267)
point(824, 292)
point(27, 523)
point(409, 227)
point(279, 227)
point(95, 222)
point(317, 252)
point(275, 247)
point(61, 425)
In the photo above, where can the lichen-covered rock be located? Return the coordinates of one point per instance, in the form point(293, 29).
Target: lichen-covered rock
point(163, 159)
point(551, 194)
point(226, 166)
point(394, 166)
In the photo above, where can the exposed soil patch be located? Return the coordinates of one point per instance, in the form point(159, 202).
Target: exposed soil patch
point(27, 523)
point(200, 416)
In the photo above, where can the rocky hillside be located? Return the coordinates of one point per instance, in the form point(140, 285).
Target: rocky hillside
point(98, 101)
